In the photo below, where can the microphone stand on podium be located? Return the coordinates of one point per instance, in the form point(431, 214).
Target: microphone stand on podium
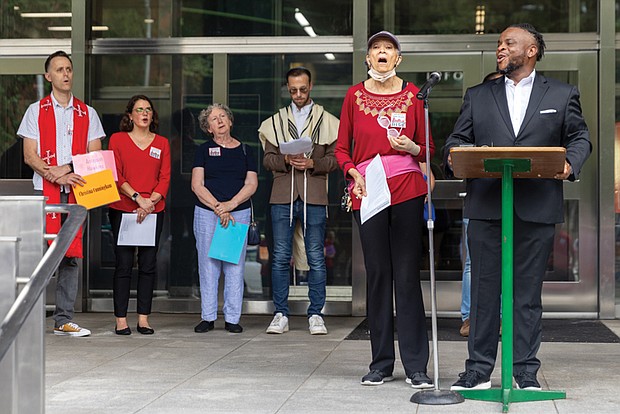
point(434, 396)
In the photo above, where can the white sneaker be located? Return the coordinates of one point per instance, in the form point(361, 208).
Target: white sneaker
point(278, 325)
point(317, 325)
point(71, 329)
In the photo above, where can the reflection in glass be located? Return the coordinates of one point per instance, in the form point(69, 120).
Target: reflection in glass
point(266, 18)
point(35, 19)
point(17, 92)
point(117, 71)
point(563, 263)
point(132, 18)
point(197, 18)
point(475, 17)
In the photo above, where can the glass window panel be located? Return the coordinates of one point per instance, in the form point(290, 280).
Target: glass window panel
point(265, 18)
point(35, 19)
point(476, 17)
point(17, 92)
point(132, 71)
point(132, 18)
point(193, 18)
point(257, 89)
point(563, 265)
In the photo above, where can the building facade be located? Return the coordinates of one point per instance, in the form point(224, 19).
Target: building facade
point(187, 54)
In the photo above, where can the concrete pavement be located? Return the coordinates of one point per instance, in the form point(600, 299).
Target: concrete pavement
point(178, 371)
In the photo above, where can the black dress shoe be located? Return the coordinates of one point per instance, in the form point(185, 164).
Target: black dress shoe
point(145, 330)
point(233, 327)
point(204, 326)
point(125, 331)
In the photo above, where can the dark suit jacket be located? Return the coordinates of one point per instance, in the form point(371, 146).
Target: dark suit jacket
point(553, 119)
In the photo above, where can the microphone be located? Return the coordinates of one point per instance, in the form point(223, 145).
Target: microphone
point(432, 80)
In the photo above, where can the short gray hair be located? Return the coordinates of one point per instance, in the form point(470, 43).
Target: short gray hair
point(203, 118)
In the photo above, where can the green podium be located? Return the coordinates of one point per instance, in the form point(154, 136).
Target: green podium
point(508, 163)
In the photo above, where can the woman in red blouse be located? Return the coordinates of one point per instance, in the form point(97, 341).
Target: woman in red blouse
point(143, 167)
point(382, 116)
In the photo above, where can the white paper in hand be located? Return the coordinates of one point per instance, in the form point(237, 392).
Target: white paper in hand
point(378, 193)
point(296, 146)
point(132, 233)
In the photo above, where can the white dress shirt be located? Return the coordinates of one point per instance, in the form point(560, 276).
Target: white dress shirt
point(518, 96)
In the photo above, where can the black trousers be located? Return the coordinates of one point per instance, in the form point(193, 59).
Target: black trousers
point(532, 245)
point(392, 245)
point(147, 269)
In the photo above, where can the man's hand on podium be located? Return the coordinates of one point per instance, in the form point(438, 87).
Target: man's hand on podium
point(568, 170)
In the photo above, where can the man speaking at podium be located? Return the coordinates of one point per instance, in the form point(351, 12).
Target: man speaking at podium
point(520, 109)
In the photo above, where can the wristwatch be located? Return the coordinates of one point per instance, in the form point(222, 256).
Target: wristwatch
point(134, 196)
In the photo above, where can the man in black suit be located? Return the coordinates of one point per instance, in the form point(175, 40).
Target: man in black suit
point(521, 108)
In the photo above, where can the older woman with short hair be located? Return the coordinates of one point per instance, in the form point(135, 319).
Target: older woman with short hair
point(224, 178)
point(381, 116)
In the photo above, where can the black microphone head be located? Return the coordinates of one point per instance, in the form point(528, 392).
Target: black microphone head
point(432, 80)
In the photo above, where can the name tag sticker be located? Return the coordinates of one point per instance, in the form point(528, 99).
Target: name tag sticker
point(155, 153)
point(399, 120)
point(214, 152)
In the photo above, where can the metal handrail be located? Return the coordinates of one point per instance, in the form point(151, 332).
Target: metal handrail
point(41, 276)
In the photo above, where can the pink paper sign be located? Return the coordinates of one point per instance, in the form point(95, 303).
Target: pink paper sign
point(93, 162)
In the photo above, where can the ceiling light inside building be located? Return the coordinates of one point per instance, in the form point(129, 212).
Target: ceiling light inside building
point(310, 31)
point(44, 15)
point(305, 24)
point(301, 19)
point(68, 28)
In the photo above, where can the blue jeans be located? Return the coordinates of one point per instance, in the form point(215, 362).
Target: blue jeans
point(283, 232)
point(466, 289)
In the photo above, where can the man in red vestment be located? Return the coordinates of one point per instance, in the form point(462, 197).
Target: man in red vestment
point(53, 129)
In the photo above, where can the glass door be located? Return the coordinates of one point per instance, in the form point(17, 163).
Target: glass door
point(571, 282)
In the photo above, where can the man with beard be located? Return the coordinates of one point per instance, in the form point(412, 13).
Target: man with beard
point(299, 195)
point(521, 108)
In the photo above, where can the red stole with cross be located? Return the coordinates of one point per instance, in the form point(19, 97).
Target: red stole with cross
point(47, 142)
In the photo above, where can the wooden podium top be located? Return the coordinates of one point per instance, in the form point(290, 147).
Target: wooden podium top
point(546, 162)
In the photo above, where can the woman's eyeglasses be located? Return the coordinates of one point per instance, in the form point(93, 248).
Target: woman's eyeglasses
point(140, 110)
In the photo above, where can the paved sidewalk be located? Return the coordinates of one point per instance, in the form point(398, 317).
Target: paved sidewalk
point(179, 371)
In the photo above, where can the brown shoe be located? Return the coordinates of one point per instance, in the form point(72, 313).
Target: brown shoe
point(464, 331)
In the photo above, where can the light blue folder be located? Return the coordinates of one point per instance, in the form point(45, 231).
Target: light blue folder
point(227, 243)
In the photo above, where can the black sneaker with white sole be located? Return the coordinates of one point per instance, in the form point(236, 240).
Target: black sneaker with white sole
point(527, 381)
point(419, 380)
point(376, 377)
point(472, 380)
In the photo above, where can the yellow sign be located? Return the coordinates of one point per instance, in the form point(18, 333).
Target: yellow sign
point(100, 189)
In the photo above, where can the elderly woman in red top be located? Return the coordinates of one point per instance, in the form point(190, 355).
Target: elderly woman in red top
point(382, 116)
point(143, 166)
